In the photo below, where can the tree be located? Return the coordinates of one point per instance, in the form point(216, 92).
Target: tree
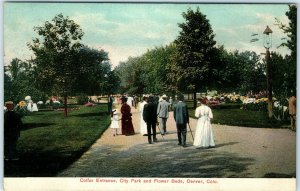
point(93, 67)
point(55, 66)
point(291, 43)
point(19, 82)
point(148, 72)
point(195, 45)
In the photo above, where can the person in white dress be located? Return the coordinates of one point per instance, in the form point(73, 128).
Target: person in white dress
point(114, 122)
point(130, 101)
point(143, 125)
point(204, 135)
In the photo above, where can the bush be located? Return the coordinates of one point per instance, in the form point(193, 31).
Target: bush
point(57, 105)
point(261, 106)
point(22, 111)
point(227, 106)
point(82, 99)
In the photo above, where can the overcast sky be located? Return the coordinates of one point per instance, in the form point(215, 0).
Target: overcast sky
point(129, 29)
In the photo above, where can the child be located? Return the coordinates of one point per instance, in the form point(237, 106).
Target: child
point(114, 121)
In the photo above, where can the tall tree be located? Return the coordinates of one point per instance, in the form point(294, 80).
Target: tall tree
point(195, 45)
point(19, 82)
point(55, 49)
point(92, 70)
point(291, 31)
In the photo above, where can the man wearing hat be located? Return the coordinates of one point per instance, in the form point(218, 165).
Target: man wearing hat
point(163, 114)
point(12, 126)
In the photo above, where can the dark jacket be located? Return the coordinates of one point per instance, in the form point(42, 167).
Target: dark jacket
point(12, 125)
point(181, 114)
point(149, 112)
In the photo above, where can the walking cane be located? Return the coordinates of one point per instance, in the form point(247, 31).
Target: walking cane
point(191, 131)
point(160, 131)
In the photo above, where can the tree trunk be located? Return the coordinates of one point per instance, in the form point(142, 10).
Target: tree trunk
point(65, 104)
point(195, 99)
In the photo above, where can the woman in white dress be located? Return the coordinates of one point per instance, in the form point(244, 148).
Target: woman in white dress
point(204, 135)
point(143, 125)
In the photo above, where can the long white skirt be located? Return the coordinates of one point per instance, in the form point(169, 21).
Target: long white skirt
point(204, 136)
point(143, 126)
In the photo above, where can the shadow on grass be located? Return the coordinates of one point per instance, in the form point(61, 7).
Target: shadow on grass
point(43, 164)
point(27, 126)
point(102, 113)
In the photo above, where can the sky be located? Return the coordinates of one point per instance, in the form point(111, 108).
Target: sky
point(130, 29)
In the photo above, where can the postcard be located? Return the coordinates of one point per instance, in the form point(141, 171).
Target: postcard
point(149, 96)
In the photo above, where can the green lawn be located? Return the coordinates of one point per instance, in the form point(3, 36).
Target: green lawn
point(239, 117)
point(49, 142)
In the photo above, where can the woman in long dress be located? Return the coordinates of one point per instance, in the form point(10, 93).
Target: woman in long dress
point(143, 125)
point(204, 134)
point(127, 126)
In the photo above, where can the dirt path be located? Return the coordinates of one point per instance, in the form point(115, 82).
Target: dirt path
point(239, 152)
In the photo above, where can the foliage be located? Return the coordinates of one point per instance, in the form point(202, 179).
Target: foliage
point(55, 67)
point(195, 48)
point(82, 99)
point(49, 142)
point(229, 101)
point(232, 105)
point(244, 118)
point(239, 71)
point(19, 82)
point(93, 69)
point(289, 65)
point(290, 30)
point(146, 73)
point(280, 110)
point(260, 106)
point(21, 109)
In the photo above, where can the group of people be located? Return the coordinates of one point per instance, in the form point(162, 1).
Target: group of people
point(154, 114)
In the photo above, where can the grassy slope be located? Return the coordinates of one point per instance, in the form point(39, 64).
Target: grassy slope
point(49, 141)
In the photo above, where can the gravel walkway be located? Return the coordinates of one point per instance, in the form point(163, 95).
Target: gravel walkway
point(239, 152)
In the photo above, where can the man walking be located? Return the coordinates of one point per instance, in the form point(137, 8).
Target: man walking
point(181, 117)
point(150, 117)
point(163, 114)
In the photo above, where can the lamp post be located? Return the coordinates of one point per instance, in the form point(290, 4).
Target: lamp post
point(268, 44)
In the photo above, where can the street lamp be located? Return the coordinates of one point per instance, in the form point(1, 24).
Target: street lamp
point(268, 44)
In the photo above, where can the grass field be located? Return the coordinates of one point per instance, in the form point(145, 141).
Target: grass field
point(243, 118)
point(49, 142)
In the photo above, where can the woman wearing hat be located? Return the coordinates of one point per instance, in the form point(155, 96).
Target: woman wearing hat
point(204, 135)
point(127, 126)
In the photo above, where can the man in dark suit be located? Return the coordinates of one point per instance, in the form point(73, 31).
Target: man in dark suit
point(12, 126)
point(150, 117)
point(181, 117)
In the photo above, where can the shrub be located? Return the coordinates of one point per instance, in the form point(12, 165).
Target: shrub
point(227, 106)
point(261, 106)
point(82, 99)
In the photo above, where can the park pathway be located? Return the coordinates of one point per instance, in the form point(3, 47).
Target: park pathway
point(239, 152)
